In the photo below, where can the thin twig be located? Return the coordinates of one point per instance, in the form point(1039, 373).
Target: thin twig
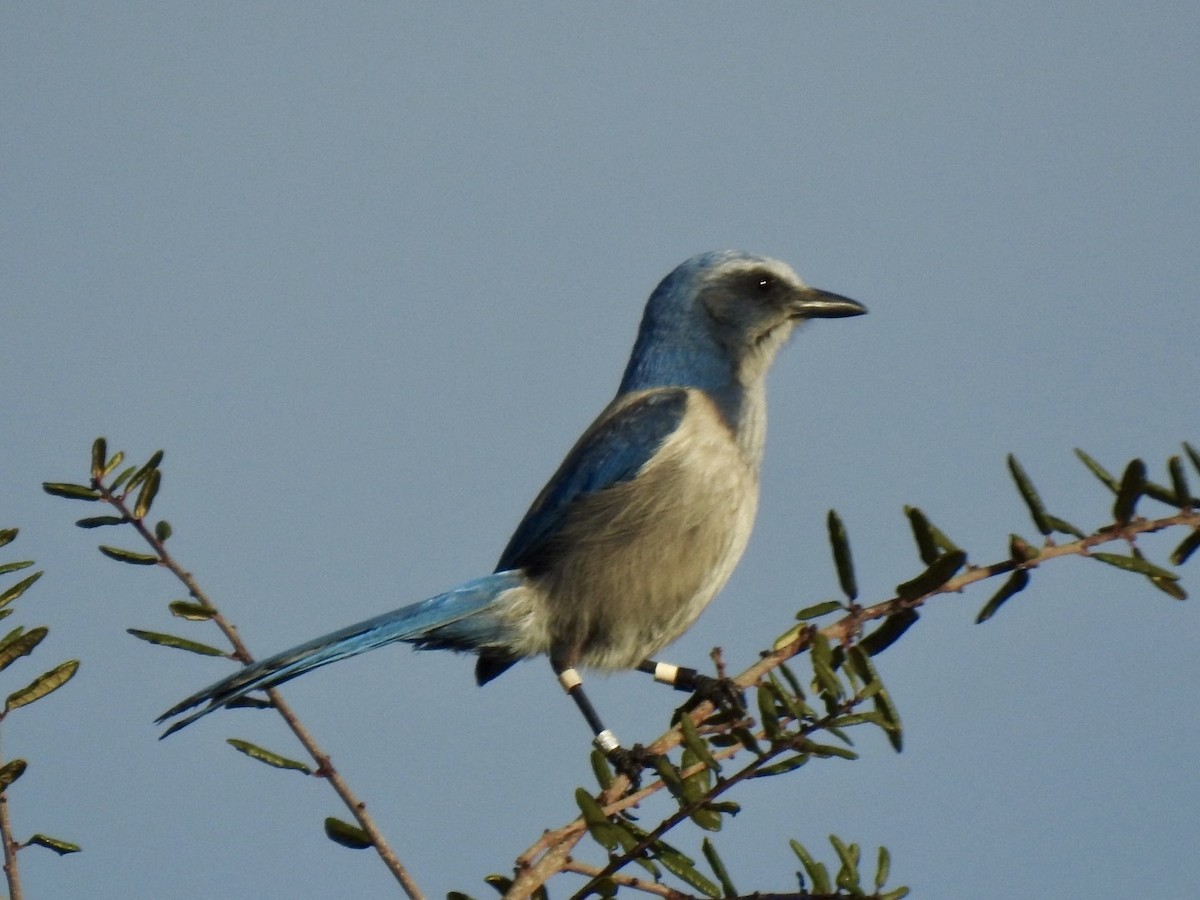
point(11, 873)
point(241, 652)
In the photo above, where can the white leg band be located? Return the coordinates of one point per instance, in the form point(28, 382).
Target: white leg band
point(569, 678)
point(665, 673)
point(606, 742)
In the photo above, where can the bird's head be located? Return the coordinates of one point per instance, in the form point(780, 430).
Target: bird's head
point(719, 318)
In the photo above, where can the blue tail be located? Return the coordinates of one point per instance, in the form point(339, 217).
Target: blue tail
point(455, 620)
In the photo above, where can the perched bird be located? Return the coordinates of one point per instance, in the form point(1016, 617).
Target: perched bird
point(643, 522)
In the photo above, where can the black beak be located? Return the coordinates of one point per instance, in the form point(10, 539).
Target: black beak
point(813, 303)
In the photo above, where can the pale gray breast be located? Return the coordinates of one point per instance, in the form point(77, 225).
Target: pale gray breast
point(642, 559)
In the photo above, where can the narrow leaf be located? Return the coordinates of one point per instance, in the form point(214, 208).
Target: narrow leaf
point(883, 869)
point(15, 566)
point(1133, 485)
point(129, 556)
point(18, 589)
point(841, 555)
point(1135, 564)
point(58, 845)
point(149, 466)
point(779, 768)
point(122, 478)
point(718, 866)
point(1170, 588)
point(8, 535)
point(684, 869)
point(939, 572)
point(99, 456)
point(20, 644)
point(1192, 455)
point(601, 769)
point(1064, 526)
point(818, 609)
point(266, 756)
point(42, 685)
point(816, 870)
point(346, 834)
point(1186, 548)
point(926, 546)
point(599, 826)
point(670, 777)
point(147, 494)
point(1030, 495)
point(111, 465)
point(1179, 482)
point(889, 632)
point(693, 742)
point(1015, 583)
point(767, 713)
point(194, 612)
point(1098, 470)
point(178, 643)
point(99, 521)
point(10, 772)
point(70, 491)
point(827, 750)
point(848, 877)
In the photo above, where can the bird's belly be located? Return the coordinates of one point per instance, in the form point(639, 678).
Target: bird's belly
point(639, 561)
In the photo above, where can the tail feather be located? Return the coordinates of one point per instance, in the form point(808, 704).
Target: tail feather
point(454, 620)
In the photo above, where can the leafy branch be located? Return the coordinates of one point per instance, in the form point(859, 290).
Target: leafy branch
point(16, 644)
point(118, 492)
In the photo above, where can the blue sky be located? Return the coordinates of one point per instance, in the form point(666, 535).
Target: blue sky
point(365, 271)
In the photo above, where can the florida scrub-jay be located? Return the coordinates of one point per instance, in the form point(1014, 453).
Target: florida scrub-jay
point(645, 518)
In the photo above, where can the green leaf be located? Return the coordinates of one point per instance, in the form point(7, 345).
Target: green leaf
point(147, 494)
point(149, 466)
point(1021, 550)
point(111, 465)
point(768, 714)
point(1179, 483)
point(599, 826)
point(1135, 564)
point(58, 845)
point(70, 491)
point(693, 742)
point(99, 521)
point(346, 834)
point(1170, 588)
point(818, 609)
point(10, 772)
point(1186, 548)
point(847, 877)
point(42, 685)
point(931, 541)
point(121, 479)
point(817, 872)
point(8, 535)
point(1030, 495)
point(178, 643)
point(718, 866)
point(696, 787)
point(193, 612)
point(1192, 455)
point(889, 632)
point(670, 777)
point(267, 756)
point(18, 589)
point(162, 530)
point(601, 769)
point(827, 750)
point(1133, 485)
point(841, 555)
point(129, 556)
point(1064, 526)
point(883, 869)
point(821, 657)
point(779, 768)
point(99, 456)
point(939, 572)
point(19, 643)
point(684, 869)
point(1098, 470)
point(15, 566)
point(1015, 583)
point(891, 716)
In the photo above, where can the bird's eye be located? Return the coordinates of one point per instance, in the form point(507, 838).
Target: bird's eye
point(762, 284)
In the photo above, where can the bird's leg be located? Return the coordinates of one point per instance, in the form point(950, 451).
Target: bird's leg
point(628, 762)
point(723, 693)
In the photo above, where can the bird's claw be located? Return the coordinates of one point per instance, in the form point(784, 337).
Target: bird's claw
point(631, 762)
point(723, 693)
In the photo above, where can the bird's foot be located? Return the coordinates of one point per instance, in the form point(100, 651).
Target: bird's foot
point(723, 693)
point(631, 762)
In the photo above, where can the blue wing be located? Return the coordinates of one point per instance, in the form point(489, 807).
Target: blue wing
point(612, 450)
